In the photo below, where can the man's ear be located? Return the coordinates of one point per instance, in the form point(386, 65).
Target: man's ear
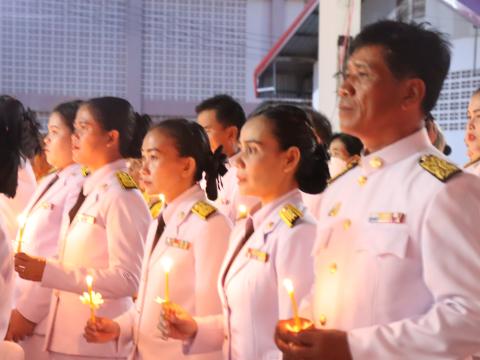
point(414, 93)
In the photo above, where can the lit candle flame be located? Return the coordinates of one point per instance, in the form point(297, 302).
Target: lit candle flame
point(91, 298)
point(242, 211)
point(288, 284)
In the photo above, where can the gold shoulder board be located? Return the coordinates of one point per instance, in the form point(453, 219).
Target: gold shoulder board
point(85, 172)
point(126, 180)
point(470, 163)
point(203, 209)
point(290, 214)
point(156, 208)
point(441, 169)
point(349, 167)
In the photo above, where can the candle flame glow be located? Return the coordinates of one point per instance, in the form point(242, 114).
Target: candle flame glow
point(167, 264)
point(288, 285)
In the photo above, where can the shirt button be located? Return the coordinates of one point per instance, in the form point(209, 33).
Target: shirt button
point(335, 209)
point(322, 319)
point(346, 224)
point(362, 180)
point(181, 215)
point(332, 268)
point(376, 162)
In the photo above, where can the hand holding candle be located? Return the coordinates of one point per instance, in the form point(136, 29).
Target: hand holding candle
point(91, 298)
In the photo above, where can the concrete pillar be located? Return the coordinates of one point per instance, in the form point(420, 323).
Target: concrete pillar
point(333, 18)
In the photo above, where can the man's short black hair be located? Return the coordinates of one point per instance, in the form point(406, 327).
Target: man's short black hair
point(411, 50)
point(229, 112)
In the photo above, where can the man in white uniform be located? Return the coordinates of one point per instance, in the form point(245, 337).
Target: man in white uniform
point(222, 118)
point(397, 249)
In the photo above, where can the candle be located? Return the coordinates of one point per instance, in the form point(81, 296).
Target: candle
point(22, 221)
point(92, 298)
point(242, 211)
point(289, 286)
point(167, 266)
point(89, 280)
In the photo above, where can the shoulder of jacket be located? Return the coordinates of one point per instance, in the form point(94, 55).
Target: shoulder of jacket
point(438, 167)
point(125, 180)
point(203, 209)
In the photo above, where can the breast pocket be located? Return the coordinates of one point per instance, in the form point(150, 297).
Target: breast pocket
point(384, 241)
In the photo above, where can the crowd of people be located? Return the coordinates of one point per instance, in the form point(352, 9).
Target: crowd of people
point(184, 234)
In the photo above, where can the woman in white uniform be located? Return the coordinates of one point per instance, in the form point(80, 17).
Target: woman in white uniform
point(13, 136)
point(102, 234)
point(279, 157)
point(195, 238)
point(41, 230)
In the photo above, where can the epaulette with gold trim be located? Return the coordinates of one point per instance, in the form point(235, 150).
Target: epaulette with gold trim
point(156, 208)
point(126, 180)
point(290, 214)
point(203, 209)
point(438, 167)
point(85, 172)
point(349, 167)
point(470, 163)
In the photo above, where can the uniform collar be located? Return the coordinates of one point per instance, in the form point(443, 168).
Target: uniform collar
point(101, 175)
point(70, 170)
point(472, 162)
point(258, 217)
point(188, 197)
point(393, 153)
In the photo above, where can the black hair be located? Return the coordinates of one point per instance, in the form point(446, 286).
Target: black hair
point(411, 50)
point(114, 113)
point(229, 112)
point(320, 124)
point(68, 111)
point(19, 139)
point(291, 127)
point(353, 145)
point(192, 141)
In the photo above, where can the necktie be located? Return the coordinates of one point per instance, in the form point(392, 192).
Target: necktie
point(159, 232)
point(73, 211)
point(249, 229)
point(54, 179)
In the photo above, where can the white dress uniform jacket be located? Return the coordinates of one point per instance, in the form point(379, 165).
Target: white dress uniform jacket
point(40, 238)
point(11, 208)
point(473, 167)
point(197, 246)
point(397, 256)
point(6, 278)
point(253, 296)
point(106, 240)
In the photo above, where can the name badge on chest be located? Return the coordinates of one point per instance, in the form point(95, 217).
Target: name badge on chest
point(177, 243)
point(257, 255)
point(387, 218)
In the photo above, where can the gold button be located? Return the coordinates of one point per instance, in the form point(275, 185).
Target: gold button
point(181, 214)
point(346, 224)
point(335, 209)
point(362, 180)
point(376, 162)
point(270, 225)
point(323, 320)
point(332, 268)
